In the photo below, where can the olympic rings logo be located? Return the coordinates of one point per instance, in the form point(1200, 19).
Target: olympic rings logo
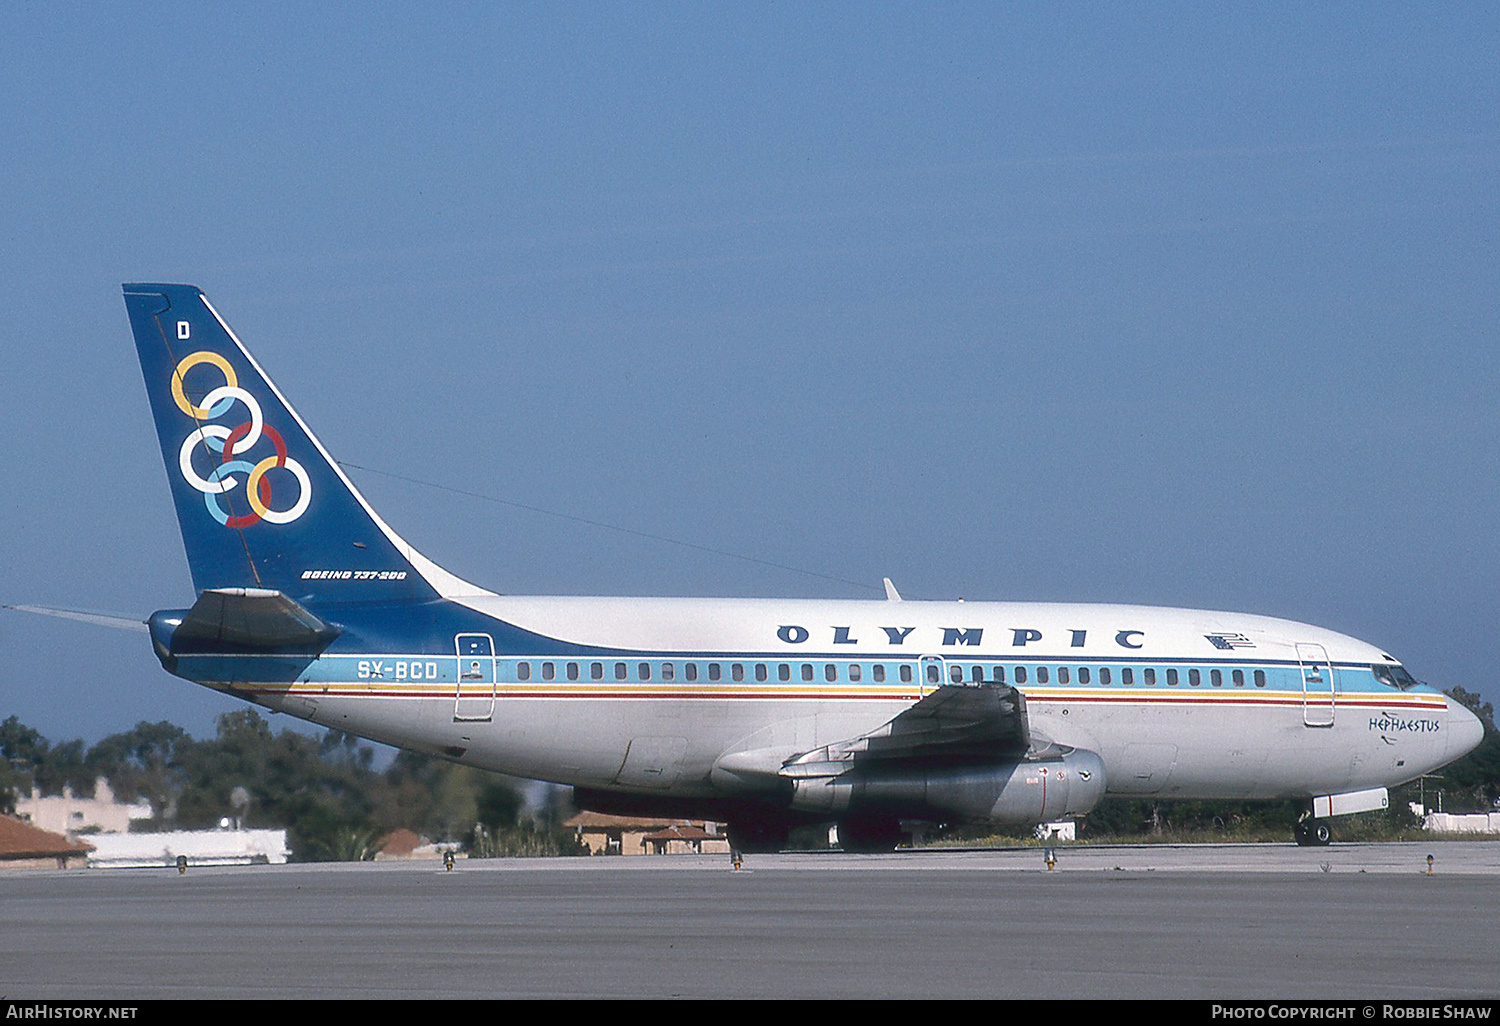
point(224, 442)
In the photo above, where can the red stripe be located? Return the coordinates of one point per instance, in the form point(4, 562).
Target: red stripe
point(1372, 703)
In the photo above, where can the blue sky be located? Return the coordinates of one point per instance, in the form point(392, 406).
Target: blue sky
point(1172, 305)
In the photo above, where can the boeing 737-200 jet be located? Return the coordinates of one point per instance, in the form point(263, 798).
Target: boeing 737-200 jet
point(758, 713)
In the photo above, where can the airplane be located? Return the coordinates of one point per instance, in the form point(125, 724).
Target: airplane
point(758, 713)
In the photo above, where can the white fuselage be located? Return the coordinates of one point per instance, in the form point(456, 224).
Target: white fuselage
point(649, 695)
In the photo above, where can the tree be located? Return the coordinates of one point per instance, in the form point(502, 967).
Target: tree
point(20, 744)
point(434, 797)
point(144, 762)
point(63, 766)
point(21, 751)
point(31, 761)
point(322, 789)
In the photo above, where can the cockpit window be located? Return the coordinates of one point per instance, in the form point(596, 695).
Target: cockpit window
point(1395, 676)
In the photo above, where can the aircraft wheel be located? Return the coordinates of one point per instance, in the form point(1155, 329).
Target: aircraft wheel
point(1313, 833)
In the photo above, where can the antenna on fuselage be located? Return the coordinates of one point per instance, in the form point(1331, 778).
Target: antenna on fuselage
point(890, 590)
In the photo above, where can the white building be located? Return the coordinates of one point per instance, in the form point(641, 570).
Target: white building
point(1456, 823)
point(199, 847)
point(67, 813)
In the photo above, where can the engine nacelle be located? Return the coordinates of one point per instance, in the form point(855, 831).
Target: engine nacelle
point(1027, 791)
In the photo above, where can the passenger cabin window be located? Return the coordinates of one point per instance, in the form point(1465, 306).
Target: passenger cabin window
point(1083, 675)
point(1104, 675)
point(714, 671)
point(1127, 676)
point(596, 671)
point(1216, 678)
point(737, 671)
point(1194, 678)
point(1062, 675)
point(1171, 678)
point(905, 673)
point(1238, 676)
point(933, 674)
point(667, 672)
point(1260, 678)
point(1150, 676)
point(807, 671)
point(854, 673)
point(645, 671)
point(1042, 677)
point(878, 673)
point(760, 671)
point(783, 672)
point(1020, 675)
point(830, 672)
point(691, 671)
point(549, 671)
point(523, 671)
point(621, 672)
point(572, 671)
point(999, 675)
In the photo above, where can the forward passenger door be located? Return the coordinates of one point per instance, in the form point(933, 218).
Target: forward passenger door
point(1318, 689)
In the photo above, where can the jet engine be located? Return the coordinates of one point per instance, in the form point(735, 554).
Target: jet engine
point(1068, 783)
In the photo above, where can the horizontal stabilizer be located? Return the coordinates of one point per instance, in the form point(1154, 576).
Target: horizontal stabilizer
point(125, 623)
point(252, 617)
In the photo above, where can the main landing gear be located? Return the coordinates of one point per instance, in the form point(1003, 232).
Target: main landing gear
point(1312, 833)
point(870, 834)
point(751, 834)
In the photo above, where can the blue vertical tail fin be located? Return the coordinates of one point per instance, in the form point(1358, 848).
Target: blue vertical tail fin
point(260, 502)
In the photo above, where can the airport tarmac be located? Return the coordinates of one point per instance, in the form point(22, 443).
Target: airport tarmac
point(1354, 921)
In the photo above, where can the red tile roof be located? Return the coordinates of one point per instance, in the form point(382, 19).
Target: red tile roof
point(401, 842)
point(21, 840)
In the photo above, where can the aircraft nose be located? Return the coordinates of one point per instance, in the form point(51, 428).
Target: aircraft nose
point(1465, 731)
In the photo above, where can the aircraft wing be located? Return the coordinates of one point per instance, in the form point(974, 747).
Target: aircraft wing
point(956, 721)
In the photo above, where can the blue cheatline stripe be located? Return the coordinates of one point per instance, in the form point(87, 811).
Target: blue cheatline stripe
point(387, 669)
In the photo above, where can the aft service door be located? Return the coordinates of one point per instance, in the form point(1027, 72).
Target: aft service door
point(1318, 691)
point(474, 697)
